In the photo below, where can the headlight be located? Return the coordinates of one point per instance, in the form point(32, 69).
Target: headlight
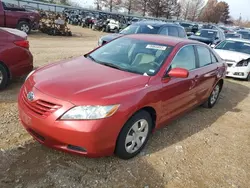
point(90, 112)
point(243, 63)
point(29, 74)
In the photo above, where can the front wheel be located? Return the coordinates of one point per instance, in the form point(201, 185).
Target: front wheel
point(213, 97)
point(134, 135)
point(3, 77)
point(248, 77)
point(24, 26)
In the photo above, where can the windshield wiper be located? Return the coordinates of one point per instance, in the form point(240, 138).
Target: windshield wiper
point(112, 65)
point(90, 57)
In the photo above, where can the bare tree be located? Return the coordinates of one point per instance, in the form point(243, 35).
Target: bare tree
point(160, 8)
point(191, 9)
point(185, 8)
point(131, 5)
point(98, 4)
point(209, 13)
point(111, 4)
point(196, 8)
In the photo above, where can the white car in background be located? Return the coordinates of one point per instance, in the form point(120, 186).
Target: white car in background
point(236, 53)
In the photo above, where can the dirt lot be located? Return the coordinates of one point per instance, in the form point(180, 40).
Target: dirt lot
point(205, 148)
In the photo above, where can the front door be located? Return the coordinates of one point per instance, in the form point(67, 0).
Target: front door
point(179, 94)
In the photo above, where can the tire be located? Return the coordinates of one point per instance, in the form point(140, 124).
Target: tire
point(4, 80)
point(116, 30)
point(213, 98)
point(24, 26)
point(248, 77)
point(125, 150)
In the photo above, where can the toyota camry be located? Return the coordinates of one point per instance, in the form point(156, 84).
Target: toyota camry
point(110, 100)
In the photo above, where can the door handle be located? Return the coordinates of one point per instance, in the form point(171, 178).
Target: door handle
point(196, 78)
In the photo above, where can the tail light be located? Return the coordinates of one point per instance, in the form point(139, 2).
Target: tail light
point(22, 43)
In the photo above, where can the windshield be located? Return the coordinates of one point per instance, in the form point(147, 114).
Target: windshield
point(206, 34)
point(134, 29)
point(132, 55)
point(235, 46)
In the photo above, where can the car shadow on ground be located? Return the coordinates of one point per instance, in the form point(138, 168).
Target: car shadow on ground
point(38, 166)
point(200, 118)
point(11, 92)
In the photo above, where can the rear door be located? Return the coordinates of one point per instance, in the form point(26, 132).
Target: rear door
point(208, 71)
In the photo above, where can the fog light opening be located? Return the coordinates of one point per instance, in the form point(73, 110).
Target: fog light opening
point(76, 148)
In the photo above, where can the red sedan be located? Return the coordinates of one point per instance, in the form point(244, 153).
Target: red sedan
point(15, 57)
point(113, 98)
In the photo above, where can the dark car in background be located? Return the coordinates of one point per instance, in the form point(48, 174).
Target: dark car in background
point(148, 27)
point(190, 28)
point(233, 35)
point(208, 36)
point(245, 34)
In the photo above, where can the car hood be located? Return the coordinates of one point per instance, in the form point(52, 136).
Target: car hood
point(201, 39)
point(82, 81)
point(231, 56)
point(108, 38)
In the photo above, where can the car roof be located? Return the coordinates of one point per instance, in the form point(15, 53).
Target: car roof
point(162, 39)
point(156, 23)
point(239, 40)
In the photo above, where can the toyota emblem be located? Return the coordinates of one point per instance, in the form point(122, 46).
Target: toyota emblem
point(30, 96)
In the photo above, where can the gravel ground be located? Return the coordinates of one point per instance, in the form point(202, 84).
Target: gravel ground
point(204, 148)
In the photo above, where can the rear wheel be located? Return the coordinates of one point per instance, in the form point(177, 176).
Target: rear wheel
point(3, 77)
point(213, 97)
point(134, 135)
point(24, 26)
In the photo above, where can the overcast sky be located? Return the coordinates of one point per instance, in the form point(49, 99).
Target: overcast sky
point(236, 7)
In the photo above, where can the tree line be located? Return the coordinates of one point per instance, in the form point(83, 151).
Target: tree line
point(194, 10)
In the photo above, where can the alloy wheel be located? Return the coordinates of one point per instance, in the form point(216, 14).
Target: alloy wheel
point(215, 94)
point(25, 28)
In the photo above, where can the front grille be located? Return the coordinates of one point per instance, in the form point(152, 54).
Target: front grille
point(40, 107)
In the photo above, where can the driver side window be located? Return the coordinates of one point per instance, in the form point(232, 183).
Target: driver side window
point(185, 58)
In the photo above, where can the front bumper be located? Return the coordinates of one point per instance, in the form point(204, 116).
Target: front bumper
point(237, 72)
point(93, 138)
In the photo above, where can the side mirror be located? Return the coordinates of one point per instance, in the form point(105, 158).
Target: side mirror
point(216, 38)
point(178, 73)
